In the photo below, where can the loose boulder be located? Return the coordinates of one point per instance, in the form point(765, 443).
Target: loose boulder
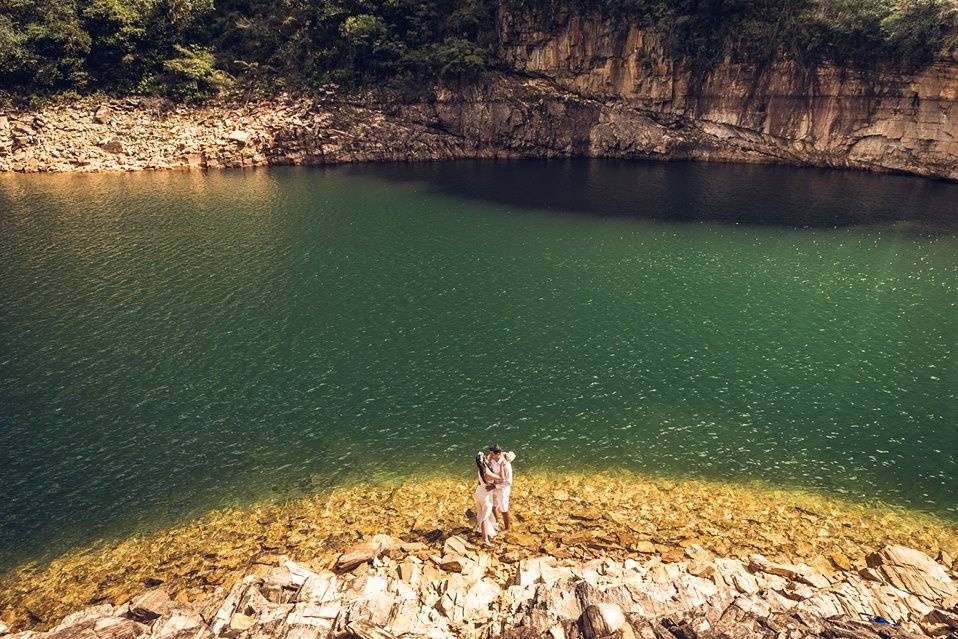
point(240, 137)
point(912, 571)
point(601, 620)
point(359, 554)
point(151, 605)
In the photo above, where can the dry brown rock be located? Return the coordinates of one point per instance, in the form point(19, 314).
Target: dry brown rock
point(362, 629)
point(912, 571)
point(451, 562)
point(111, 145)
point(840, 561)
point(365, 551)
point(240, 137)
point(758, 563)
point(150, 605)
point(601, 620)
point(240, 622)
point(179, 625)
point(457, 546)
point(103, 114)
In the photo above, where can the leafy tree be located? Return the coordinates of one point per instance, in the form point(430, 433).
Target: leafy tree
point(49, 44)
point(192, 74)
point(190, 48)
point(915, 30)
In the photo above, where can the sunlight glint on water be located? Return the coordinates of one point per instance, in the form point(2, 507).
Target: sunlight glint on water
point(171, 343)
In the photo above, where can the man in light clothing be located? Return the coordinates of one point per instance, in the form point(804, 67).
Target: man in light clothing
point(501, 464)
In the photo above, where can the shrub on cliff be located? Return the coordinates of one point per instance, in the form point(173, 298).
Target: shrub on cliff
point(864, 33)
point(192, 74)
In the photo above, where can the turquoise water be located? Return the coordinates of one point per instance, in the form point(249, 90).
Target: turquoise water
point(175, 342)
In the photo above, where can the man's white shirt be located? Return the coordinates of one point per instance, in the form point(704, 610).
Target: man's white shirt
point(504, 485)
point(506, 471)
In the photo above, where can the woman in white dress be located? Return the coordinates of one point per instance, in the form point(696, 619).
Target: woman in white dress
point(485, 504)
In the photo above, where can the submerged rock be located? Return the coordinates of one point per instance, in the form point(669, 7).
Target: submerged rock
point(676, 532)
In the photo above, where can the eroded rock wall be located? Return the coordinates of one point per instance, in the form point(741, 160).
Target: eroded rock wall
point(579, 85)
point(783, 112)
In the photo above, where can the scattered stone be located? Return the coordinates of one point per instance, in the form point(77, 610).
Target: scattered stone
point(365, 551)
point(457, 546)
point(840, 561)
point(601, 620)
point(797, 591)
point(363, 629)
point(912, 571)
point(240, 622)
point(451, 563)
point(943, 619)
point(150, 605)
point(810, 576)
point(946, 559)
point(111, 146)
point(242, 137)
point(602, 598)
point(180, 625)
point(103, 114)
point(758, 563)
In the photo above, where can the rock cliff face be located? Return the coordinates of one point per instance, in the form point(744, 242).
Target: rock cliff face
point(652, 105)
point(578, 85)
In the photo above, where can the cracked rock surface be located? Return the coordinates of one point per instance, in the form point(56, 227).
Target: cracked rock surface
point(384, 587)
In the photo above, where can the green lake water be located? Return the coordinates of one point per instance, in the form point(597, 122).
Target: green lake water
point(176, 342)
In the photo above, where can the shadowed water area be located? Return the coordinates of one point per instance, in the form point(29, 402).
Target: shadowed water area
point(172, 343)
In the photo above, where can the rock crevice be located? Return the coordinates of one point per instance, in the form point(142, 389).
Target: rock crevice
point(385, 587)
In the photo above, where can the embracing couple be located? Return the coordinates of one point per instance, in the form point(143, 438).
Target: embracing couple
point(492, 492)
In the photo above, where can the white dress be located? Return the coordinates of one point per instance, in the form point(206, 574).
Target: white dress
point(485, 515)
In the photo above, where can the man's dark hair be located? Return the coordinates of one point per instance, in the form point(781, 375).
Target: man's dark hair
point(494, 448)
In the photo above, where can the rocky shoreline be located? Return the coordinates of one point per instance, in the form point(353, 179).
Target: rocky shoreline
point(385, 587)
point(620, 518)
point(555, 105)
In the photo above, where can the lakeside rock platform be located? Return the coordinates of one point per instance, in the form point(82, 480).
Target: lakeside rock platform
point(384, 588)
point(651, 546)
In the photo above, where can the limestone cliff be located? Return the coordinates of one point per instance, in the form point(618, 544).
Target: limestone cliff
point(651, 105)
point(573, 84)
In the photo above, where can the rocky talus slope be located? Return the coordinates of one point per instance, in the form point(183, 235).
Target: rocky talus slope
point(385, 587)
point(574, 85)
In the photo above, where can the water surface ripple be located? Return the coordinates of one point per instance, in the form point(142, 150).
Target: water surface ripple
point(175, 342)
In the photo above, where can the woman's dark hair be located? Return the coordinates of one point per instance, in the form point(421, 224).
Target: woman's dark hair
point(481, 465)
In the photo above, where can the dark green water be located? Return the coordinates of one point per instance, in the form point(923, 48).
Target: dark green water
point(174, 342)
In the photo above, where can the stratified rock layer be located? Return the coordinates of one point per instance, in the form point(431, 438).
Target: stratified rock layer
point(406, 589)
point(575, 85)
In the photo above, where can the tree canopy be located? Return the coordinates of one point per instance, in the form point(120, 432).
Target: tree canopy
point(188, 49)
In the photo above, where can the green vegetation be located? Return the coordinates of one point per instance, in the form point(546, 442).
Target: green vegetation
point(189, 49)
point(864, 33)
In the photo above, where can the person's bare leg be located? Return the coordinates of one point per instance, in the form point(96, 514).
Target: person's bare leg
point(506, 520)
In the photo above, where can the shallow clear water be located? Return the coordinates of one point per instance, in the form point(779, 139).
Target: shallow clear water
point(175, 342)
